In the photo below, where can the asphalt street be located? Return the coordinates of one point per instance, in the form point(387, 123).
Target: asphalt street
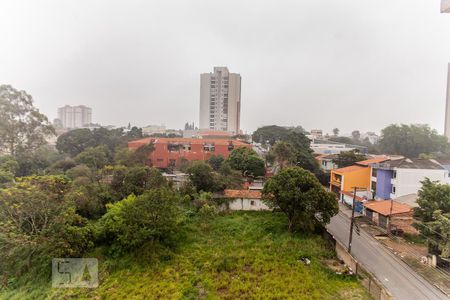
point(399, 279)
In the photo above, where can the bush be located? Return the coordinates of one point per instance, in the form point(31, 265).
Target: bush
point(37, 222)
point(134, 221)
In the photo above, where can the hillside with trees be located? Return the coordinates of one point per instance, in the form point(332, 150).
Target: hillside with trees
point(89, 196)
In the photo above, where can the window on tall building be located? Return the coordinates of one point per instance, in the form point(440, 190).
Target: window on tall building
point(374, 172)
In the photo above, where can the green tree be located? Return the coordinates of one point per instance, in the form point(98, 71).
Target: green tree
point(136, 180)
point(36, 221)
point(247, 161)
point(270, 134)
point(22, 127)
point(135, 133)
point(142, 154)
point(95, 158)
point(412, 140)
point(284, 154)
point(137, 220)
point(78, 140)
point(202, 176)
point(298, 194)
point(348, 158)
point(356, 135)
point(8, 168)
point(75, 141)
point(216, 162)
point(434, 214)
point(335, 131)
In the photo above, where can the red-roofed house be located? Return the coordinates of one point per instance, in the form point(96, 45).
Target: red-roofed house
point(399, 214)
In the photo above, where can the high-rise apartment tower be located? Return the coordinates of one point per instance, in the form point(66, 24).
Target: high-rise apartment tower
point(75, 116)
point(220, 100)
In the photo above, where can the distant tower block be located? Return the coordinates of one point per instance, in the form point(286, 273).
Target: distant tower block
point(447, 107)
point(445, 6)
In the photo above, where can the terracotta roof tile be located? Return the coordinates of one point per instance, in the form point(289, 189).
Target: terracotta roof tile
point(348, 169)
point(384, 207)
point(249, 194)
point(374, 160)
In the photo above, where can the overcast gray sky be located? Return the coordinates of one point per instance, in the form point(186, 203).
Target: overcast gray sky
point(351, 64)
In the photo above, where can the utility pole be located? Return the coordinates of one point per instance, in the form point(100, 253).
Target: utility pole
point(390, 217)
point(352, 221)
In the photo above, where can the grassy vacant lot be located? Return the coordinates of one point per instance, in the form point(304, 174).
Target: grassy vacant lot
point(237, 256)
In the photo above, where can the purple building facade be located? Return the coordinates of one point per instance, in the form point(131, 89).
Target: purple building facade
point(384, 185)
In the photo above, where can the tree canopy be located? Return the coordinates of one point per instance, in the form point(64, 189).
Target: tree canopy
point(348, 158)
point(22, 127)
point(411, 140)
point(299, 194)
point(247, 161)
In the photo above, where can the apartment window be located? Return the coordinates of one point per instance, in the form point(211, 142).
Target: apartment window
point(394, 174)
point(374, 172)
point(209, 147)
point(393, 189)
point(173, 147)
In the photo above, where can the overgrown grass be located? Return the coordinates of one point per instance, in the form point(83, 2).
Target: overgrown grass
point(237, 256)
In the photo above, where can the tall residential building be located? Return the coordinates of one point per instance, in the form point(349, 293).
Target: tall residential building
point(447, 107)
point(220, 100)
point(75, 116)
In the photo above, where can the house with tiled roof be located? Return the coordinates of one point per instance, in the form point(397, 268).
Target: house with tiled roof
point(390, 213)
point(242, 200)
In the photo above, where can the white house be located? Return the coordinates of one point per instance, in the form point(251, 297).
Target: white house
point(326, 161)
point(402, 177)
point(407, 177)
point(244, 200)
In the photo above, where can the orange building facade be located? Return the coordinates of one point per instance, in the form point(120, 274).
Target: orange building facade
point(169, 151)
point(359, 175)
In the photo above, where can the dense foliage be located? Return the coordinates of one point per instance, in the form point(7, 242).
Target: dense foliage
point(136, 220)
point(22, 127)
point(412, 140)
point(434, 213)
point(348, 158)
point(298, 194)
point(37, 221)
point(247, 161)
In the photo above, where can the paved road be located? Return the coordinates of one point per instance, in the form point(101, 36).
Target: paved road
point(400, 280)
